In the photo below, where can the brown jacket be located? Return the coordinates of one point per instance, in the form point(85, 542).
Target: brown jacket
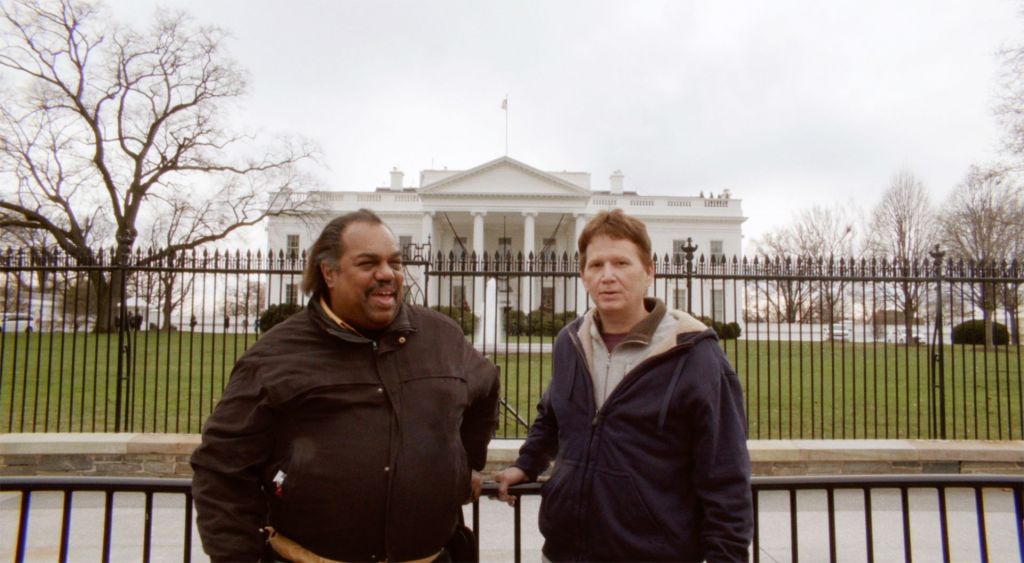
point(376, 439)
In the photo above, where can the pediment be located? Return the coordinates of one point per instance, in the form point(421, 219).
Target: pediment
point(504, 177)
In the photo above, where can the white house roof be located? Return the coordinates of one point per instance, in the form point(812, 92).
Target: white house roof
point(503, 176)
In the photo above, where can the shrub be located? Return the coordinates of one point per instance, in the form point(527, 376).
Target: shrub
point(516, 322)
point(546, 323)
point(973, 332)
point(536, 323)
point(730, 331)
point(277, 313)
point(734, 330)
point(462, 316)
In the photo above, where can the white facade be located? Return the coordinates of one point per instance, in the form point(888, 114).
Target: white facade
point(504, 205)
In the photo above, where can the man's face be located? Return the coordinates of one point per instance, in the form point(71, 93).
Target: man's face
point(616, 277)
point(366, 288)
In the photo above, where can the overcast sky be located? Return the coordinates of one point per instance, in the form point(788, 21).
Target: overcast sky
point(787, 103)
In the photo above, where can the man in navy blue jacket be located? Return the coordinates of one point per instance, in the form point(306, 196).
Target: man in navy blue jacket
point(644, 420)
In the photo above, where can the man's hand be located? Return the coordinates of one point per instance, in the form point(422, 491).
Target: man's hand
point(476, 481)
point(505, 479)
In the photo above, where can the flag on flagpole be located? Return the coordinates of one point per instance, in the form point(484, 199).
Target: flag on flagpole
point(504, 103)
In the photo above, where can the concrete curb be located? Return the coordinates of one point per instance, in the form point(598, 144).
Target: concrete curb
point(137, 454)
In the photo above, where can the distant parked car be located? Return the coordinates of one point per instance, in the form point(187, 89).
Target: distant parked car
point(16, 322)
point(901, 337)
point(838, 332)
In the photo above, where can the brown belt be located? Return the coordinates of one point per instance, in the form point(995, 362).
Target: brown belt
point(298, 554)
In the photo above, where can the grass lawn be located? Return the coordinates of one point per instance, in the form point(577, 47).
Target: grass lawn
point(875, 390)
point(66, 383)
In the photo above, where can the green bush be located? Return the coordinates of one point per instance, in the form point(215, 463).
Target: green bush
point(277, 313)
point(536, 323)
point(973, 332)
point(464, 317)
point(725, 331)
point(549, 324)
point(516, 322)
point(734, 330)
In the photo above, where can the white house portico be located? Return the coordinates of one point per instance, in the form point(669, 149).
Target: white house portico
point(508, 206)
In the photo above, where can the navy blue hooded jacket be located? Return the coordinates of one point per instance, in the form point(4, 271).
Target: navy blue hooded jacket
point(660, 473)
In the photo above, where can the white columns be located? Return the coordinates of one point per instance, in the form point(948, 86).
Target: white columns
point(529, 234)
point(478, 233)
point(427, 232)
point(528, 301)
point(581, 221)
point(433, 291)
point(478, 248)
point(581, 293)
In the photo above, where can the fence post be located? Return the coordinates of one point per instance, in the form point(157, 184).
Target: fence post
point(125, 239)
point(426, 274)
point(938, 358)
point(688, 251)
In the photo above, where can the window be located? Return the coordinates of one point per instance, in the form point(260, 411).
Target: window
point(548, 250)
point(547, 298)
point(291, 294)
point(459, 297)
point(678, 255)
point(404, 242)
point(679, 299)
point(716, 251)
point(718, 305)
point(292, 246)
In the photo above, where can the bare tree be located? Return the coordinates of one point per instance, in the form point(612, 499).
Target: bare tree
point(983, 223)
point(170, 284)
point(1010, 109)
point(246, 300)
point(105, 122)
point(902, 227)
point(785, 298)
point(29, 248)
point(814, 240)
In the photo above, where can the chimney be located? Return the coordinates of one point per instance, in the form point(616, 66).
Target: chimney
point(616, 182)
point(396, 178)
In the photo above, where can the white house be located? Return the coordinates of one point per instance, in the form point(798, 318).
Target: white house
point(507, 205)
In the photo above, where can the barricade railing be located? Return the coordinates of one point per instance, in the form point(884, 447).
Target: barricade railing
point(933, 517)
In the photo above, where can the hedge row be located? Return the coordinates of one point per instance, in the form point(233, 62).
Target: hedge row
point(725, 331)
point(973, 332)
point(536, 323)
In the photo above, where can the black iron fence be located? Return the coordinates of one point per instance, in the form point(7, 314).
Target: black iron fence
point(825, 348)
point(872, 518)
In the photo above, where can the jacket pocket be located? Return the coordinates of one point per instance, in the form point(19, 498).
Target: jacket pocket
point(622, 526)
point(559, 501)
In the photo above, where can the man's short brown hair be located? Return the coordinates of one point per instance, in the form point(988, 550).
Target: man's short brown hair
point(616, 224)
point(328, 249)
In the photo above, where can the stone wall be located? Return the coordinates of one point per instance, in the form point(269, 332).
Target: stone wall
point(166, 455)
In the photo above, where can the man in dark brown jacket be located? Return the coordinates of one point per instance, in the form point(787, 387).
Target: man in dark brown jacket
point(353, 430)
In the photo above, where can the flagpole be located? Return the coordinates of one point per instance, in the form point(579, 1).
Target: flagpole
point(506, 124)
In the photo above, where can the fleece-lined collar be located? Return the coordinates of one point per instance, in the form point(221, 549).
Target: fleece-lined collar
point(643, 331)
point(318, 308)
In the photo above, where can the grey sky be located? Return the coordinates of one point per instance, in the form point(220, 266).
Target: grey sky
point(786, 103)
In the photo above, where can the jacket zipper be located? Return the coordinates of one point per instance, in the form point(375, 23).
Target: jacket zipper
point(634, 373)
point(587, 470)
point(598, 413)
point(392, 459)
